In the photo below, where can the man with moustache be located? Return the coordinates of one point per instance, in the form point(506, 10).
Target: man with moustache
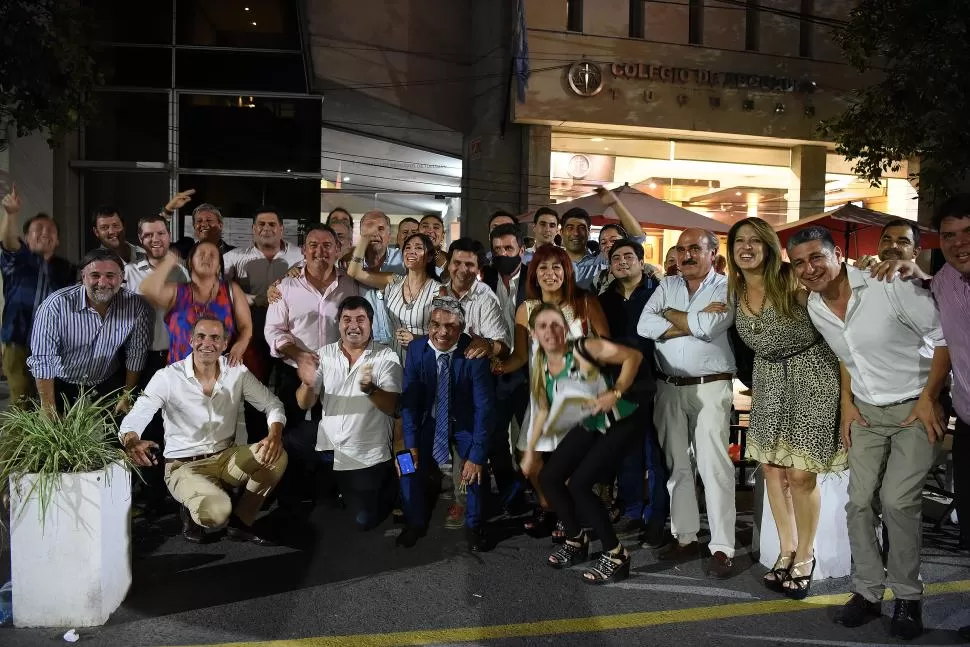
point(623, 301)
point(899, 241)
point(448, 399)
point(484, 323)
point(84, 333)
point(358, 381)
point(31, 272)
point(575, 236)
point(891, 417)
point(109, 229)
point(688, 319)
point(628, 228)
point(406, 228)
point(200, 397)
point(206, 222)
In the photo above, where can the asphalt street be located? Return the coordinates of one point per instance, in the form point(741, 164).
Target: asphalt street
point(335, 586)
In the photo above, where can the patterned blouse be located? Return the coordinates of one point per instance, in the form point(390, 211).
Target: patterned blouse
point(187, 311)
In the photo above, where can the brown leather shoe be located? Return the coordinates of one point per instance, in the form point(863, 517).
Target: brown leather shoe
point(676, 553)
point(720, 566)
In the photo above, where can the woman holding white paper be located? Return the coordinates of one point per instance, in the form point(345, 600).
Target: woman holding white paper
point(571, 375)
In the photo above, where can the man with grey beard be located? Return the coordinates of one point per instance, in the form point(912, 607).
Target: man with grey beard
point(84, 333)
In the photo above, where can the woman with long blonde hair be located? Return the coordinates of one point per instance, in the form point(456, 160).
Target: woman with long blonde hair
point(793, 428)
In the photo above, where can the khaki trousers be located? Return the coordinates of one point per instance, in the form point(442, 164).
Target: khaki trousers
point(891, 462)
point(19, 380)
point(200, 485)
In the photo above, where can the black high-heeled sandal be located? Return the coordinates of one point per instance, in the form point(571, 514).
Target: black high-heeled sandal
point(796, 585)
point(774, 578)
point(571, 552)
point(559, 533)
point(611, 567)
point(541, 523)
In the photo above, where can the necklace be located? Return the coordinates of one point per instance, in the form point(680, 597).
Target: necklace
point(757, 326)
point(410, 296)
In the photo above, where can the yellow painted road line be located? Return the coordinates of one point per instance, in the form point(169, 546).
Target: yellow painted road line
point(637, 620)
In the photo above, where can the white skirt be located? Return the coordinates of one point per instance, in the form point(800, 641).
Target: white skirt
point(833, 558)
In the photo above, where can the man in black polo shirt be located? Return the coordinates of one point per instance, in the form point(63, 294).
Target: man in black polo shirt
point(623, 300)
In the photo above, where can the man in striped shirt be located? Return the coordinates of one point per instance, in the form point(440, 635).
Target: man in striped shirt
point(83, 334)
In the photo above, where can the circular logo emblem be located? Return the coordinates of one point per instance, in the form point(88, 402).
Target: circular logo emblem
point(585, 78)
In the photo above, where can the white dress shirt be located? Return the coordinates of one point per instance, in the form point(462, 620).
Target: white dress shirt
point(886, 324)
point(135, 273)
point(707, 350)
point(304, 316)
point(483, 312)
point(352, 426)
point(255, 273)
point(196, 423)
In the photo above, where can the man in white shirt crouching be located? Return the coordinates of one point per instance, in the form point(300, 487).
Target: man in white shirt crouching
point(199, 398)
point(891, 417)
point(359, 383)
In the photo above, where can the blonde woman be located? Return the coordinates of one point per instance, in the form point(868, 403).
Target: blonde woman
point(793, 430)
point(595, 446)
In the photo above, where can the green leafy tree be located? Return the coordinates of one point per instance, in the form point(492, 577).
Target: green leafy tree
point(919, 106)
point(47, 68)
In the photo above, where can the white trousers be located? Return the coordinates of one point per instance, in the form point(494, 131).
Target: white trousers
point(693, 425)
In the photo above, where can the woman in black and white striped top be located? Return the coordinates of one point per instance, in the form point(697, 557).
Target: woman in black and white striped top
point(407, 298)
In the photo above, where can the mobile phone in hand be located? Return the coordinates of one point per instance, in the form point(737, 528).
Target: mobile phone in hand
point(405, 462)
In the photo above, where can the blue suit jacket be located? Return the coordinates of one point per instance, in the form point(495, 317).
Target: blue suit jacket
point(472, 399)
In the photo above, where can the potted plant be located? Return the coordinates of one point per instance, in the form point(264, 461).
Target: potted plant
point(69, 487)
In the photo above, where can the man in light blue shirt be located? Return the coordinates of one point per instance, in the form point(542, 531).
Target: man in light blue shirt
point(575, 236)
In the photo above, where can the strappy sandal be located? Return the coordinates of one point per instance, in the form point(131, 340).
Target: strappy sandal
point(611, 567)
point(541, 523)
point(559, 533)
point(796, 585)
point(774, 578)
point(571, 552)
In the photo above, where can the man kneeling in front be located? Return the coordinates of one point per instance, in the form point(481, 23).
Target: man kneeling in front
point(199, 398)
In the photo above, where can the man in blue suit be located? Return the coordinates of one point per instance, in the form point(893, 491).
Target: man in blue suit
point(448, 399)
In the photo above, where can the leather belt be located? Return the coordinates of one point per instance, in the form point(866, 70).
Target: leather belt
point(692, 381)
point(191, 459)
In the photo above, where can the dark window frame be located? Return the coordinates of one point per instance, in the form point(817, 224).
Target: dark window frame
point(574, 15)
point(752, 26)
point(638, 12)
point(806, 30)
point(695, 22)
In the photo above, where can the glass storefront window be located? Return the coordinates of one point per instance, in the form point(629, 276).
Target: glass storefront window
point(259, 24)
point(124, 21)
point(228, 70)
point(129, 127)
point(145, 67)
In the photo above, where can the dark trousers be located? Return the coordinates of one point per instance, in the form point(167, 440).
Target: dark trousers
point(648, 460)
point(154, 491)
point(511, 399)
point(67, 393)
point(261, 364)
point(961, 478)
point(417, 486)
point(303, 479)
point(287, 382)
point(369, 492)
point(580, 461)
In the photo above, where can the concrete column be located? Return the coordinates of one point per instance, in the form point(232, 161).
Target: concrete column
point(806, 193)
point(68, 209)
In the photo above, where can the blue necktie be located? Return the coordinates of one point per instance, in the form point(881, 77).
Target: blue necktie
point(440, 451)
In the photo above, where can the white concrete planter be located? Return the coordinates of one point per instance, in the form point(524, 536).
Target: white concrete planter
point(74, 568)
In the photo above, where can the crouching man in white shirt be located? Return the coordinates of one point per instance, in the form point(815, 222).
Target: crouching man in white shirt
point(199, 398)
point(359, 382)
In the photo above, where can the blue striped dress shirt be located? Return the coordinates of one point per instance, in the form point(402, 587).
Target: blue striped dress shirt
point(71, 342)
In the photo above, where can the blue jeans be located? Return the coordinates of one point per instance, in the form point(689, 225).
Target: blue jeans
point(630, 478)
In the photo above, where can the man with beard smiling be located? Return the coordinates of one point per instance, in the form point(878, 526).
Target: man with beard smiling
point(359, 382)
point(899, 241)
point(83, 332)
point(109, 228)
point(31, 272)
point(575, 235)
point(891, 417)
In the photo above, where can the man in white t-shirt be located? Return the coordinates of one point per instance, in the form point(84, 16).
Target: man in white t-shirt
point(358, 382)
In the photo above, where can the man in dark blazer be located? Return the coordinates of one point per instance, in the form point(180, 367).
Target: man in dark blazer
point(507, 276)
point(437, 414)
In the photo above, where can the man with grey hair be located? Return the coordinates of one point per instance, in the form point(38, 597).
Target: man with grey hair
point(448, 400)
point(688, 318)
point(206, 221)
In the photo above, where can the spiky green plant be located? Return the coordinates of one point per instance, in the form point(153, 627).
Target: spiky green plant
point(36, 442)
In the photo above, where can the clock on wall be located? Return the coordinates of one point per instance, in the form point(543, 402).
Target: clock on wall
point(578, 167)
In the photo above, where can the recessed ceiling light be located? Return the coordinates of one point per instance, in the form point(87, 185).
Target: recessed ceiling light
point(606, 148)
point(254, 23)
point(245, 8)
point(289, 170)
point(738, 193)
point(595, 139)
point(346, 178)
point(653, 185)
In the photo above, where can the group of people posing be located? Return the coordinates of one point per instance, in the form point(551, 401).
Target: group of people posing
point(411, 373)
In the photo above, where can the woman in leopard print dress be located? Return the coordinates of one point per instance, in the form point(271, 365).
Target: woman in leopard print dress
point(793, 431)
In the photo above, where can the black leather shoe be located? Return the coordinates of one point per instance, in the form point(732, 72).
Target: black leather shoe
point(410, 536)
point(654, 535)
point(477, 540)
point(676, 552)
point(907, 620)
point(857, 611)
point(191, 531)
point(238, 531)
